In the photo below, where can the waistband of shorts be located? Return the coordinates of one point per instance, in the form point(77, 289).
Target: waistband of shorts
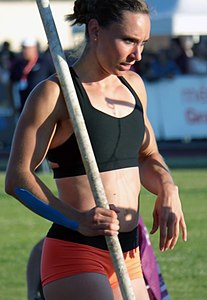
point(128, 240)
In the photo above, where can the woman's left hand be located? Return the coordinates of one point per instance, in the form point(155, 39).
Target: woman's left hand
point(168, 215)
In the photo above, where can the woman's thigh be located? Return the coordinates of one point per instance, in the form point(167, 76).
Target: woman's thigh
point(139, 289)
point(83, 286)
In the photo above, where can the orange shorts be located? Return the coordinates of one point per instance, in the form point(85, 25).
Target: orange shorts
point(61, 259)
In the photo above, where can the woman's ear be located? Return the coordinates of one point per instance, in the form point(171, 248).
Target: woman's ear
point(93, 29)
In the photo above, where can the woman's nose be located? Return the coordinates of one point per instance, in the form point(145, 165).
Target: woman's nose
point(137, 53)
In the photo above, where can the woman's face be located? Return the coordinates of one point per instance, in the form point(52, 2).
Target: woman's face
point(121, 44)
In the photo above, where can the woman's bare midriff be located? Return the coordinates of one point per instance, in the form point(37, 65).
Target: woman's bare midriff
point(121, 187)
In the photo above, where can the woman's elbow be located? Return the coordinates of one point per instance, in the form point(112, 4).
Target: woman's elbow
point(10, 184)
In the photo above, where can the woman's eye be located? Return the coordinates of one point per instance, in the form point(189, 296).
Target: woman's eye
point(129, 41)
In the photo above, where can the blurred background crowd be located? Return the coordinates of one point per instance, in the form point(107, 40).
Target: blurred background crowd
point(184, 55)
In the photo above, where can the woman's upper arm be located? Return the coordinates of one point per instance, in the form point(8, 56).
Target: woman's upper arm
point(149, 144)
point(35, 127)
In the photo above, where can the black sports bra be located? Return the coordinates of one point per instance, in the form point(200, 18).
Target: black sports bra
point(115, 141)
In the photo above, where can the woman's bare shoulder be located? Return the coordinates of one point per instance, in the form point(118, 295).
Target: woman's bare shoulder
point(137, 84)
point(133, 78)
point(46, 99)
point(51, 84)
point(48, 89)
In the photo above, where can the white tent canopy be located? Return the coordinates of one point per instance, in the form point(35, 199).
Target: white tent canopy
point(178, 17)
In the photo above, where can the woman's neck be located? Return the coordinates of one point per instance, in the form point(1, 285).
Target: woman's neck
point(88, 69)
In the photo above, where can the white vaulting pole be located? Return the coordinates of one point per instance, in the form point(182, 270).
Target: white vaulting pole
point(84, 144)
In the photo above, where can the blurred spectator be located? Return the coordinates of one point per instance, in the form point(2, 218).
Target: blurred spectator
point(162, 66)
point(180, 54)
point(6, 58)
point(27, 71)
point(187, 43)
point(198, 63)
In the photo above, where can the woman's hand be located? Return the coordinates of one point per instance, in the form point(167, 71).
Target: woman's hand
point(168, 215)
point(99, 221)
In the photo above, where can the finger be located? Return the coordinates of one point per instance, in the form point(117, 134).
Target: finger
point(106, 229)
point(106, 212)
point(106, 226)
point(163, 233)
point(184, 229)
point(114, 208)
point(155, 223)
point(168, 242)
point(110, 233)
point(170, 230)
point(100, 219)
point(103, 213)
point(175, 237)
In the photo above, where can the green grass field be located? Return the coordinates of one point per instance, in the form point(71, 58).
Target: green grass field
point(184, 269)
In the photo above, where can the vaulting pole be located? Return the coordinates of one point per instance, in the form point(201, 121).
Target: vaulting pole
point(84, 144)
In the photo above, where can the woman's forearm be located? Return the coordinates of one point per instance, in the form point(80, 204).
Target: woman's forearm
point(154, 173)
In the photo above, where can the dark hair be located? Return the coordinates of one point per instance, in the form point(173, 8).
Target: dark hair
point(104, 11)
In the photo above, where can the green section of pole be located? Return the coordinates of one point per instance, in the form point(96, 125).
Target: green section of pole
point(84, 144)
